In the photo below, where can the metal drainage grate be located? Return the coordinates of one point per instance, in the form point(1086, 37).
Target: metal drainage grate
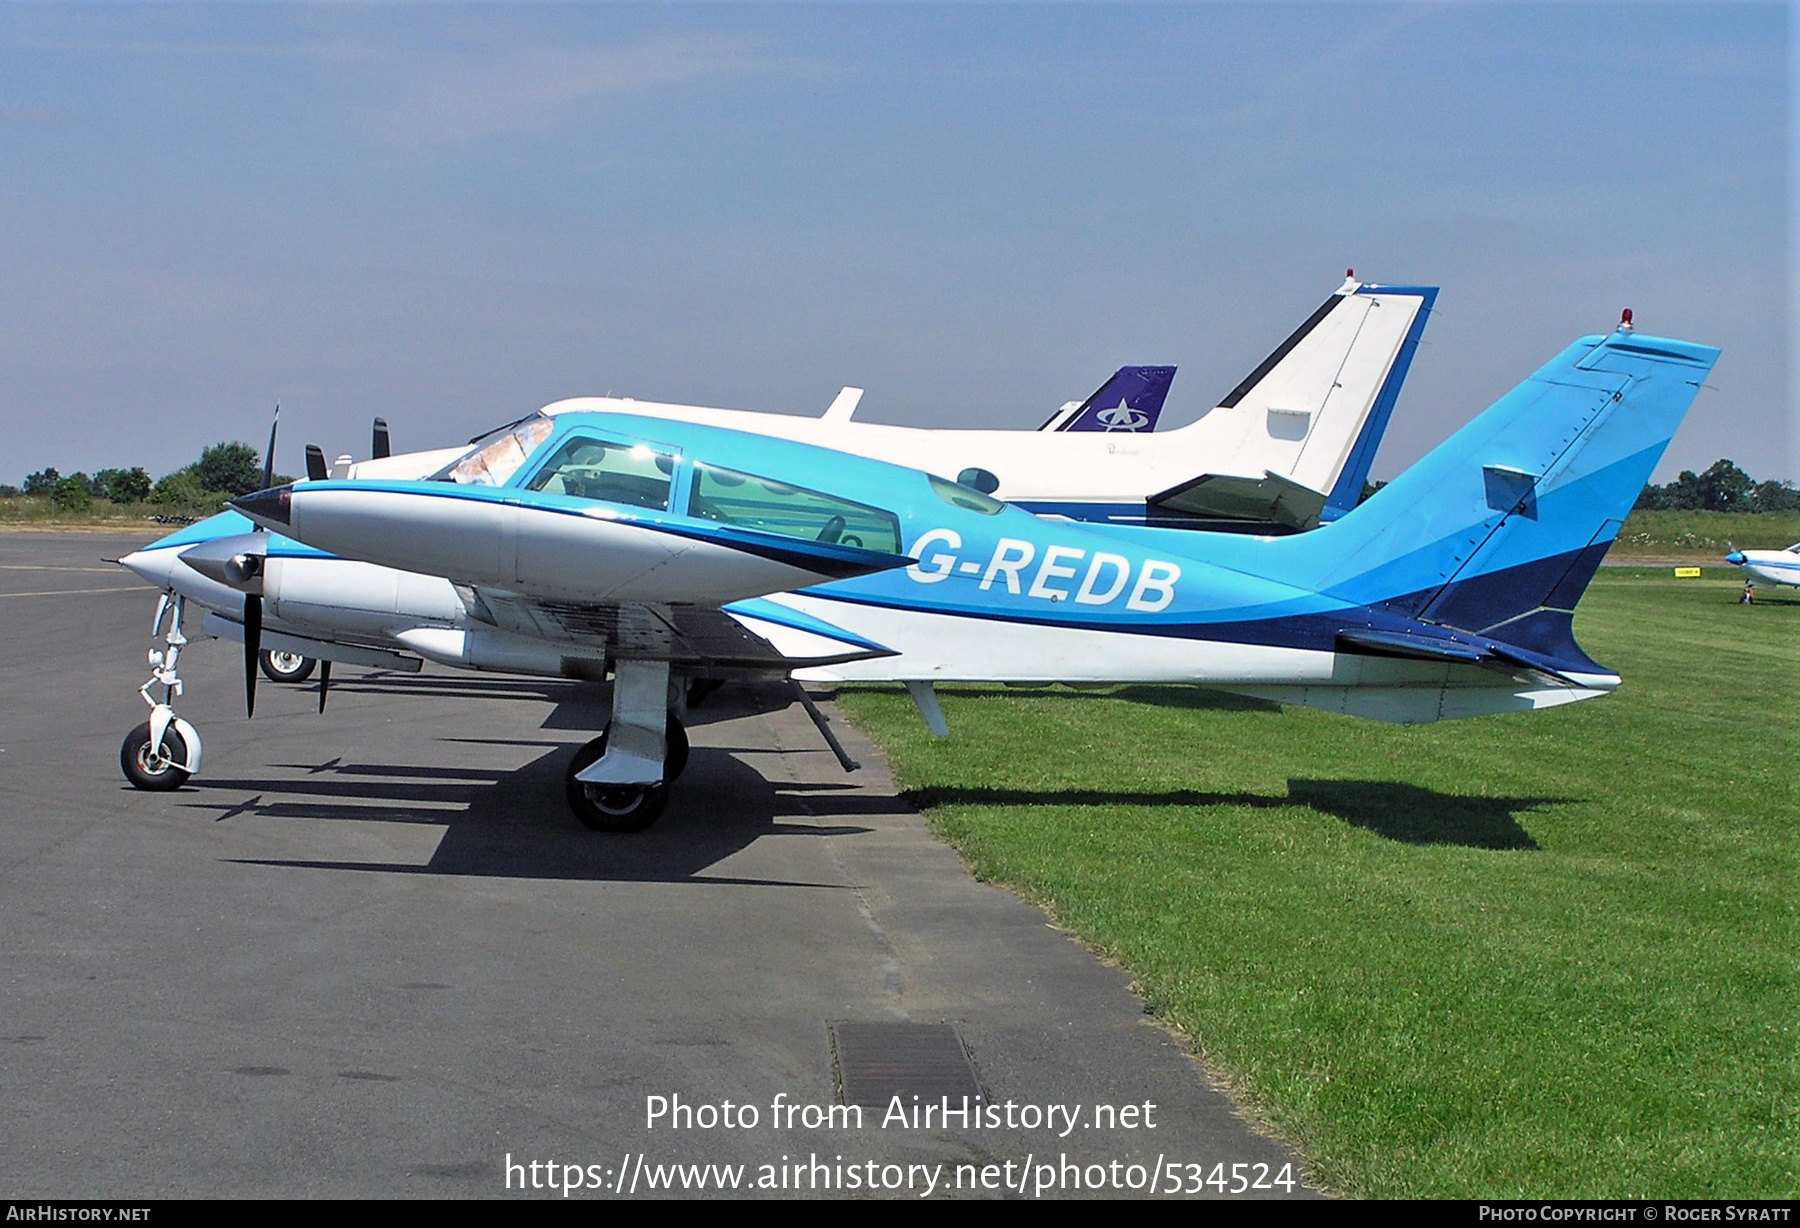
point(878, 1061)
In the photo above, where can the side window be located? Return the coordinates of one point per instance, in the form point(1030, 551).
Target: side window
point(589, 468)
point(775, 507)
point(966, 497)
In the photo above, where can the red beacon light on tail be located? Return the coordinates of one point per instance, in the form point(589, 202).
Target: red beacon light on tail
point(1625, 320)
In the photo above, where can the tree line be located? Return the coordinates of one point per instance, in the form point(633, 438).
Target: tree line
point(227, 470)
point(224, 471)
point(1722, 488)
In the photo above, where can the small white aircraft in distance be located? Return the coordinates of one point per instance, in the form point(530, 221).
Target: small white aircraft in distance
point(1287, 449)
point(657, 552)
point(1770, 567)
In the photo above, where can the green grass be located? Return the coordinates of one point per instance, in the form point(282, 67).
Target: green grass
point(24, 511)
point(1704, 533)
point(1539, 955)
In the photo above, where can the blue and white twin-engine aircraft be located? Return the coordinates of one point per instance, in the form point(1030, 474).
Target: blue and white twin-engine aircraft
point(657, 551)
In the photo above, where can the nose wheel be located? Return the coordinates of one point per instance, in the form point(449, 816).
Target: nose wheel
point(163, 752)
point(153, 764)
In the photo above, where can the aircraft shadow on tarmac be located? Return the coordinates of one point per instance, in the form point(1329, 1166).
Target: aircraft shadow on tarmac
point(515, 824)
point(1404, 812)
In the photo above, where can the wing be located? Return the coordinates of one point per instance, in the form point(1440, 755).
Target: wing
point(754, 635)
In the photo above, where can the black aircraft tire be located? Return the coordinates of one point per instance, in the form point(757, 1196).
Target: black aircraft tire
point(675, 762)
point(286, 666)
point(147, 770)
point(615, 808)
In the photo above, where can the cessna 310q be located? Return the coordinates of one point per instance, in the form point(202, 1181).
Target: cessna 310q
point(657, 551)
point(1313, 411)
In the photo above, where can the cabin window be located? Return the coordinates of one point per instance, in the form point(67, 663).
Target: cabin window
point(775, 507)
point(588, 468)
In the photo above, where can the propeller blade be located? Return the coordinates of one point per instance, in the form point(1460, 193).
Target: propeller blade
point(315, 463)
point(324, 683)
point(269, 456)
point(380, 447)
point(252, 649)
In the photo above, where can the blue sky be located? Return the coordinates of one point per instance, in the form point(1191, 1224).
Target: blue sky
point(452, 215)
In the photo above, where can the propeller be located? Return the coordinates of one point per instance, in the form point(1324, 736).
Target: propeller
point(252, 647)
point(324, 682)
point(250, 566)
point(380, 448)
point(269, 456)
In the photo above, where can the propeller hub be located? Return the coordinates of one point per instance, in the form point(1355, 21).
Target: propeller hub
point(240, 569)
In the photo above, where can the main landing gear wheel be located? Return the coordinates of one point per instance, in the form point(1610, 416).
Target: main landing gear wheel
point(623, 808)
point(286, 666)
point(153, 767)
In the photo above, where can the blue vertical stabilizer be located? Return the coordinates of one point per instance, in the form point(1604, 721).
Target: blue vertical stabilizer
point(1497, 531)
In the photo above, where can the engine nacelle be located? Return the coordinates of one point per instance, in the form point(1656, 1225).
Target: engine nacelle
point(340, 595)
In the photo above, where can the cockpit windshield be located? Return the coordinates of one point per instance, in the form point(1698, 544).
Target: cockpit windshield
point(497, 455)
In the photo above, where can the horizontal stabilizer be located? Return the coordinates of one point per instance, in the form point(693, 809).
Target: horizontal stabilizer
point(1270, 499)
point(843, 406)
point(1433, 644)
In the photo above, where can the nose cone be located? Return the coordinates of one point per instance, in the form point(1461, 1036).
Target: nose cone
point(151, 565)
point(271, 508)
point(1735, 558)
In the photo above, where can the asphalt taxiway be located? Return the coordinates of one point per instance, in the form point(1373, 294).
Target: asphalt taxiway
point(371, 953)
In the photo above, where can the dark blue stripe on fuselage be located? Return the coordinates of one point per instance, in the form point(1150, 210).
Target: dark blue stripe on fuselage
point(1551, 645)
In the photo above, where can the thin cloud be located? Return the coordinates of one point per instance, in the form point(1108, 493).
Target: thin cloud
point(448, 97)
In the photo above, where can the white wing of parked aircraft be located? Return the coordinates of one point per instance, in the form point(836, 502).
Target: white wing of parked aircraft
point(1286, 449)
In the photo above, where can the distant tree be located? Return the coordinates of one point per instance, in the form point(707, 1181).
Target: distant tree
point(71, 494)
point(122, 485)
point(9, 491)
point(179, 489)
point(230, 468)
point(1775, 496)
point(1684, 492)
point(42, 482)
point(1726, 488)
point(1722, 488)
